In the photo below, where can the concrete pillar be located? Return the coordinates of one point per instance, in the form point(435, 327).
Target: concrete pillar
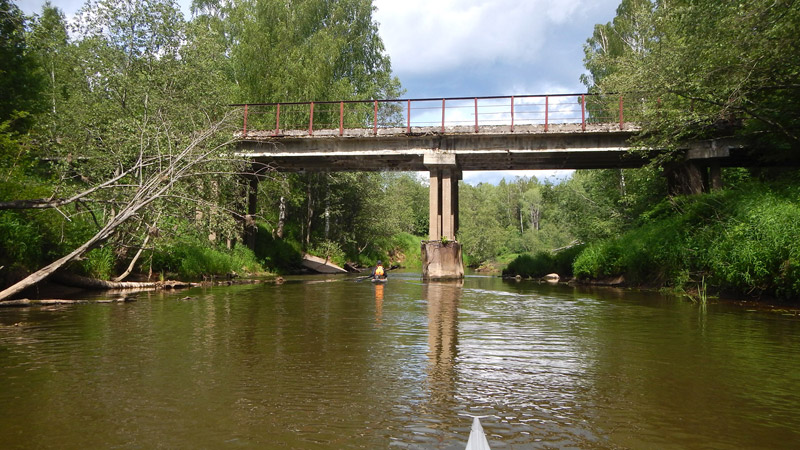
point(716, 176)
point(441, 255)
point(686, 178)
point(442, 261)
point(456, 179)
point(435, 226)
point(448, 224)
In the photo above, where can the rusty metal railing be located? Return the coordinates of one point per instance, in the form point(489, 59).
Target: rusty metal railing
point(440, 113)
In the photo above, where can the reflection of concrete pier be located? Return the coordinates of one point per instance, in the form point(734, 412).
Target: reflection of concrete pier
point(443, 299)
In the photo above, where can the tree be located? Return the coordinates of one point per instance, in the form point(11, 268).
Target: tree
point(135, 141)
point(20, 78)
point(705, 68)
point(49, 43)
point(301, 50)
point(154, 188)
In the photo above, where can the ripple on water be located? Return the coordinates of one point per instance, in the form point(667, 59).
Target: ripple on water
point(338, 364)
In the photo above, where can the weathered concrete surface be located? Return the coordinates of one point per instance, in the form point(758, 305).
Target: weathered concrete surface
point(441, 261)
point(320, 265)
point(564, 146)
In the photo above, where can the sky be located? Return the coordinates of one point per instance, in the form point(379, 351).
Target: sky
point(466, 48)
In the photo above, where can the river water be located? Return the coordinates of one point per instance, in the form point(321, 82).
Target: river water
point(332, 363)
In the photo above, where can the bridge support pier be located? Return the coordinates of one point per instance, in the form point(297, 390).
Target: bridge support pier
point(441, 255)
point(693, 178)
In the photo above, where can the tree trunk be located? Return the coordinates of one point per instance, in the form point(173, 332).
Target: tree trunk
point(133, 260)
point(535, 217)
point(309, 215)
point(281, 217)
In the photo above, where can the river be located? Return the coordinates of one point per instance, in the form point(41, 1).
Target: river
point(333, 363)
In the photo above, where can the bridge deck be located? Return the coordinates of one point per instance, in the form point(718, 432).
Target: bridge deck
point(556, 146)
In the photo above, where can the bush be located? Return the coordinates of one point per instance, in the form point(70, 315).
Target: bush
point(744, 241)
point(528, 265)
point(543, 262)
point(20, 240)
point(98, 263)
point(194, 259)
point(279, 255)
point(402, 248)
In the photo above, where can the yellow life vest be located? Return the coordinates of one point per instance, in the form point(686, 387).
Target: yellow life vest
point(379, 271)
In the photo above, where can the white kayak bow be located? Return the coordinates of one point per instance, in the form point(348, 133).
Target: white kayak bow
point(477, 438)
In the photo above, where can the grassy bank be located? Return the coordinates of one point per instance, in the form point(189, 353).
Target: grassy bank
point(542, 263)
point(742, 241)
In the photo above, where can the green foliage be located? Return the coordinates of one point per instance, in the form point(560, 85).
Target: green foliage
point(401, 248)
point(758, 249)
point(20, 77)
point(310, 49)
point(405, 249)
point(703, 68)
point(527, 216)
point(279, 255)
point(20, 240)
point(329, 250)
point(98, 263)
point(527, 265)
point(194, 259)
point(741, 241)
point(133, 84)
point(649, 254)
point(542, 263)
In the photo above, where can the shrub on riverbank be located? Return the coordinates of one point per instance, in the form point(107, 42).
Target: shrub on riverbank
point(194, 259)
point(402, 248)
point(542, 263)
point(279, 255)
point(741, 241)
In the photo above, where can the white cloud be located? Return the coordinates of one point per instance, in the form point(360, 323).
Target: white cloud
point(424, 35)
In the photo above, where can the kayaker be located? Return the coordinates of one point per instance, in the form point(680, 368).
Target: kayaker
point(379, 273)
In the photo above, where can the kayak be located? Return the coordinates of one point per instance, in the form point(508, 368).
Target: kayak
point(380, 280)
point(477, 438)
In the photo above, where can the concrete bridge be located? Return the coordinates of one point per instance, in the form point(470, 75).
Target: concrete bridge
point(448, 136)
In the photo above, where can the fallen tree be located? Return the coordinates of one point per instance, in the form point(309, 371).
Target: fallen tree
point(149, 187)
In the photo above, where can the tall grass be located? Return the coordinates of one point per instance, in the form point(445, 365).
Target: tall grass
point(741, 241)
point(542, 263)
point(192, 259)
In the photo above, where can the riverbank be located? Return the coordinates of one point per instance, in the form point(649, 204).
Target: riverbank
point(739, 243)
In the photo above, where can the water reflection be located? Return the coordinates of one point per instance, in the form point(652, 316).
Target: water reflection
point(338, 364)
point(442, 300)
point(378, 303)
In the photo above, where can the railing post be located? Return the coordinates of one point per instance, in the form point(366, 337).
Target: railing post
point(278, 120)
point(375, 119)
point(621, 120)
point(512, 113)
point(442, 115)
point(244, 130)
point(311, 120)
point(341, 118)
point(583, 112)
point(476, 114)
point(546, 111)
point(408, 116)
